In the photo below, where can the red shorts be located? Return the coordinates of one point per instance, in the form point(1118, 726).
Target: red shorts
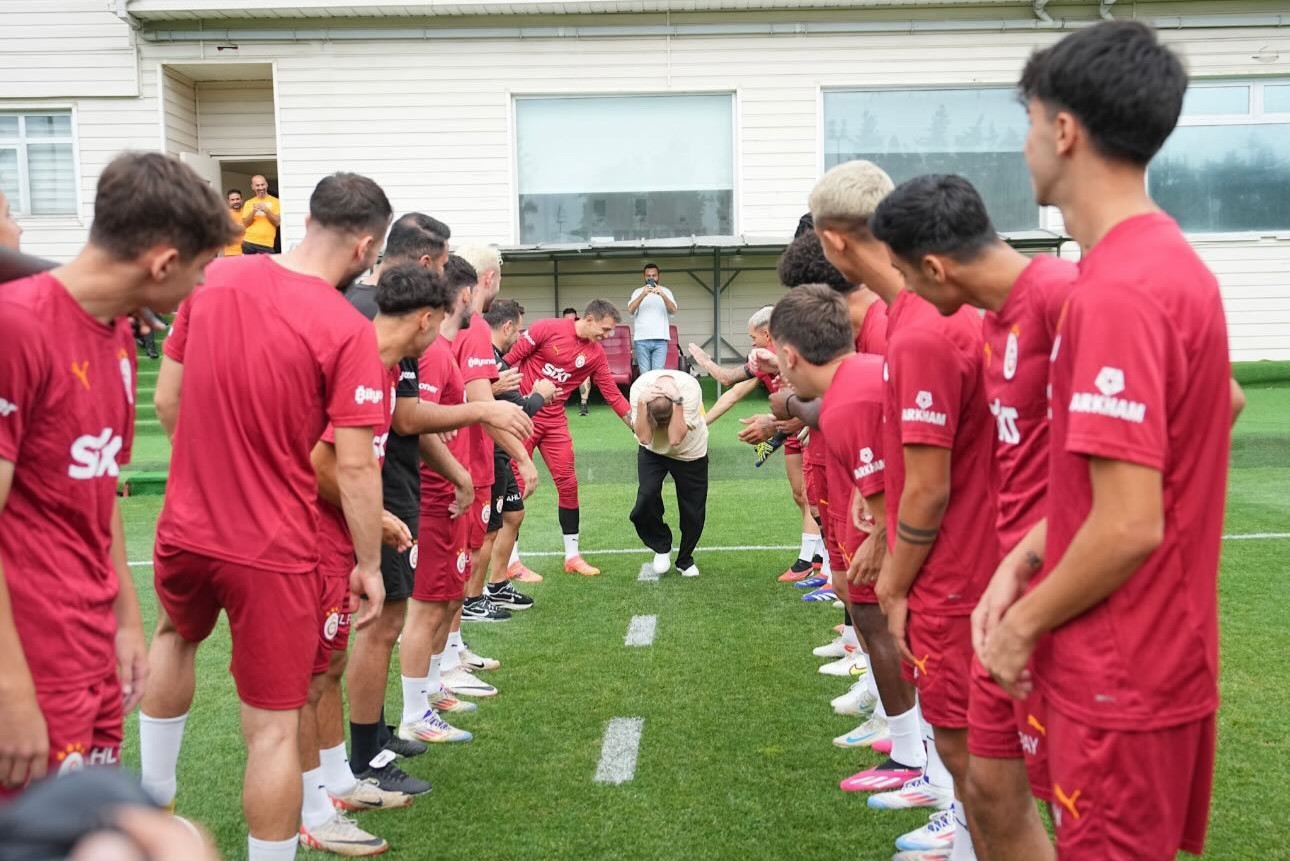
point(336, 611)
point(85, 726)
point(816, 487)
point(443, 556)
point(843, 542)
point(793, 445)
point(942, 647)
point(272, 617)
point(1130, 796)
point(1000, 727)
point(478, 516)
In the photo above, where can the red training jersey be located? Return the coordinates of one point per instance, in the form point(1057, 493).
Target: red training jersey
point(441, 383)
point(1141, 374)
point(851, 416)
point(872, 337)
point(473, 350)
point(552, 349)
point(1018, 342)
point(67, 424)
point(935, 397)
point(270, 357)
point(335, 546)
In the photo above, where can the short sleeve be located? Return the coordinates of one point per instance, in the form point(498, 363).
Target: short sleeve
point(1119, 358)
point(634, 398)
point(477, 361)
point(329, 434)
point(177, 338)
point(22, 378)
point(635, 294)
point(354, 381)
point(870, 469)
point(927, 381)
point(407, 384)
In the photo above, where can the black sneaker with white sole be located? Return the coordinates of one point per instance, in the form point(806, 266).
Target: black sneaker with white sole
point(480, 609)
point(505, 595)
point(402, 746)
point(391, 778)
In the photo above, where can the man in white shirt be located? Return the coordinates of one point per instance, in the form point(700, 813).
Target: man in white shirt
point(652, 305)
point(667, 415)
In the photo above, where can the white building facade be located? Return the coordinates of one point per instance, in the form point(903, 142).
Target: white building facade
point(585, 122)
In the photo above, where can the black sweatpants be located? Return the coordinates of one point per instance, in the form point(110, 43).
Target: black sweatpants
point(691, 478)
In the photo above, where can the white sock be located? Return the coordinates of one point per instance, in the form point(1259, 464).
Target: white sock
point(880, 710)
point(434, 680)
point(315, 807)
point(454, 640)
point(907, 739)
point(570, 546)
point(849, 637)
point(414, 697)
point(826, 569)
point(937, 773)
point(871, 682)
point(337, 776)
point(963, 850)
point(271, 850)
point(159, 743)
point(808, 546)
point(515, 554)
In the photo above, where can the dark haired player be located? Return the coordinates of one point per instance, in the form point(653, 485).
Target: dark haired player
point(72, 652)
point(239, 528)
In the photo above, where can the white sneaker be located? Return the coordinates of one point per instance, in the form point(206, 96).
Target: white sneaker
point(936, 836)
point(835, 649)
point(919, 792)
point(692, 571)
point(662, 562)
point(474, 662)
point(368, 795)
point(463, 683)
point(843, 667)
point(859, 701)
point(341, 835)
point(874, 729)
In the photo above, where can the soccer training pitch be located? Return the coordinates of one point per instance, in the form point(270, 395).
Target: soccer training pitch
point(735, 758)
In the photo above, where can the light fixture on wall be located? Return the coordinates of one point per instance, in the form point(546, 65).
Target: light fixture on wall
point(226, 47)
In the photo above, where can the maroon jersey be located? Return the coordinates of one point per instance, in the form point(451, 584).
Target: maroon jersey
point(67, 425)
point(851, 417)
point(270, 357)
point(441, 383)
point(1018, 342)
point(551, 349)
point(473, 350)
point(1140, 374)
point(872, 337)
point(935, 397)
point(335, 546)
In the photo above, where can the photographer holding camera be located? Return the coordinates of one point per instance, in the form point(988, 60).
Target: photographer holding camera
point(652, 305)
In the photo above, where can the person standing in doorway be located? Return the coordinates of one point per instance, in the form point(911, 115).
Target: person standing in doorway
point(234, 198)
point(653, 306)
point(261, 216)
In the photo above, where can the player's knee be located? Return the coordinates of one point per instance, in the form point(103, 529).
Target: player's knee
point(989, 798)
point(270, 732)
point(336, 667)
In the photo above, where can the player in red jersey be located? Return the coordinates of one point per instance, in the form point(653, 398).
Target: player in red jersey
point(270, 353)
point(566, 353)
point(815, 340)
point(943, 544)
point(72, 651)
point(1122, 623)
point(944, 244)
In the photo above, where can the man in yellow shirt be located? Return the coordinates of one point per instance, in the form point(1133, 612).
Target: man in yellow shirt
point(234, 197)
point(261, 215)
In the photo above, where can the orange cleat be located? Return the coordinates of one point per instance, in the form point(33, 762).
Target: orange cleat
point(521, 572)
point(578, 565)
point(792, 575)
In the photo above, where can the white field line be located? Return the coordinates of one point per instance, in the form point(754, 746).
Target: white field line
point(750, 548)
point(641, 631)
point(618, 753)
point(647, 574)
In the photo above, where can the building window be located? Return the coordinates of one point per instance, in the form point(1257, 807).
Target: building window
point(627, 167)
point(977, 133)
point(37, 164)
point(1226, 168)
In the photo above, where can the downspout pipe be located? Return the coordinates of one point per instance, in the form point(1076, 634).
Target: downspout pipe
point(1104, 9)
point(1038, 7)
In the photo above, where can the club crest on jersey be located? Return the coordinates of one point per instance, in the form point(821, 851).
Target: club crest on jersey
point(1010, 354)
point(412, 557)
point(483, 513)
point(1109, 383)
point(332, 626)
point(500, 501)
point(127, 376)
point(580, 361)
point(71, 759)
point(461, 561)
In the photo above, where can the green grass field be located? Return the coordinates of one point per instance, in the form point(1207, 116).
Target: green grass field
point(736, 760)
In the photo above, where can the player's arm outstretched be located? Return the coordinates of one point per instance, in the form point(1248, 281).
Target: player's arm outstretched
point(414, 417)
point(480, 392)
point(728, 399)
point(609, 390)
point(358, 479)
point(724, 376)
point(785, 405)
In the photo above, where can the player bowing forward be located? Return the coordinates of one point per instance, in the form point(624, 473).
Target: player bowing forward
point(566, 352)
point(72, 652)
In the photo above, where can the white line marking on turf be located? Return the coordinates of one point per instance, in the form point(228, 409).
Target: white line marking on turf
point(618, 753)
point(641, 631)
point(749, 548)
point(647, 574)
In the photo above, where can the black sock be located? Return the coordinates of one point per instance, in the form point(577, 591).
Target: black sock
point(568, 521)
point(365, 743)
point(846, 617)
point(384, 729)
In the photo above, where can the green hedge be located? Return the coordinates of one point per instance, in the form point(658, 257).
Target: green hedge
point(1255, 373)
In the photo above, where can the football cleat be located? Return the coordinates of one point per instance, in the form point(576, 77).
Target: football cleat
point(341, 835)
point(463, 683)
point(882, 746)
point(936, 836)
point(391, 778)
point(432, 729)
point(474, 662)
point(507, 597)
point(521, 572)
point(813, 582)
point(799, 571)
point(578, 565)
point(844, 666)
point(443, 701)
point(859, 701)
point(481, 609)
point(921, 856)
point(865, 734)
point(883, 777)
point(367, 794)
point(402, 747)
point(919, 792)
point(838, 648)
point(823, 595)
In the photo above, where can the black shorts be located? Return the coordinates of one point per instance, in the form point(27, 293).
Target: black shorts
point(506, 493)
point(397, 568)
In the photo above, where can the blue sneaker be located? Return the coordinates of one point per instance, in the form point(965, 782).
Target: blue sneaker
point(811, 582)
point(824, 593)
